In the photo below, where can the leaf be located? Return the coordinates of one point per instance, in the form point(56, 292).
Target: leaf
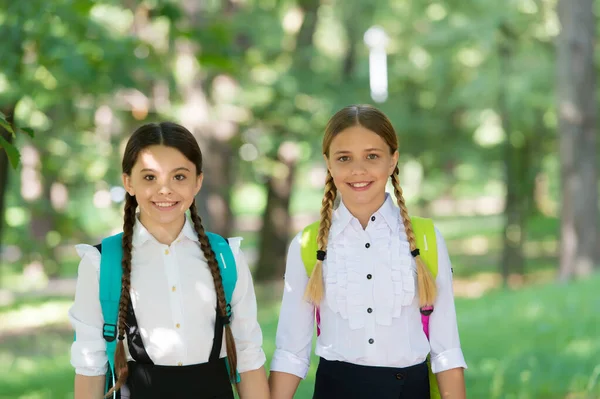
point(28, 131)
point(4, 123)
point(11, 152)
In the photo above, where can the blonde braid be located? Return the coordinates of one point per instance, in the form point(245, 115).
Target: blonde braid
point(213, 265)
point(314, 288)
point(121, 368)
point(425, 281)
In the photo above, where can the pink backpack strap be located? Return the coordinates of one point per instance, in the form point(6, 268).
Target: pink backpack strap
point(318, 318)
point(425, 314)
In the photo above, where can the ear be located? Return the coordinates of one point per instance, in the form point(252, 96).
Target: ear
point(127, 184)
point(327, 162)
point(199, 180)
point(393, 162)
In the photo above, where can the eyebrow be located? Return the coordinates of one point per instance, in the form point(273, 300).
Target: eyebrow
point(174, 170)
point(365, 150)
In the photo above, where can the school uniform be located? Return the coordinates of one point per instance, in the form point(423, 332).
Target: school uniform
point(371, 342)
point(175, 343)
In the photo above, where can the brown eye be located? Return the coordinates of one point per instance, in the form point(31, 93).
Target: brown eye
point(149, 177)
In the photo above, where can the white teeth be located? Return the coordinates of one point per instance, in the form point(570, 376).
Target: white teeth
point(359, 185)
point(165, 204)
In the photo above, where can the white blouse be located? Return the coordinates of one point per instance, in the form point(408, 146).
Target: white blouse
point(174, 299)
point(370, 313)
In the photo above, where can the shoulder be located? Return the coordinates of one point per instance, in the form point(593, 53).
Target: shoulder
point(88, 255)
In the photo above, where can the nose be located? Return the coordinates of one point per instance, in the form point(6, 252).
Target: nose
point(358, 168)
point(165, 189)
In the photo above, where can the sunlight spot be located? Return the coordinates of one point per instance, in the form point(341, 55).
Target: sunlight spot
point(16, 216)
point(248, 152)
point(35, 316)
point(470, 57)
point(102, 199)
point(59, 196)
point(419, 57)
point(581, 347)
point(490, 132)
point(292, 20)
point(475, 245)
point(527, 7)
point(161, 340)
point(436, 12)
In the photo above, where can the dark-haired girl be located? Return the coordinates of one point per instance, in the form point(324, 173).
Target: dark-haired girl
point(171, 289)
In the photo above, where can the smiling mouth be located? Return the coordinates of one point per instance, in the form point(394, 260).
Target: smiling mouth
point(163, 205)
point(360, 185)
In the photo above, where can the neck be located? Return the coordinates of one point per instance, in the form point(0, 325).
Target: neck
point(163, 233)
point(363, 212)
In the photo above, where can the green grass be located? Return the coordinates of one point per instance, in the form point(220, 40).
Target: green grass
point(538, 342)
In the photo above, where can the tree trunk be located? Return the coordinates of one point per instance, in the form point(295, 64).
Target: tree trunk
point(512, 237)
point(276, 223)
point(274, 234)
point(4, 166)
point(577, 104)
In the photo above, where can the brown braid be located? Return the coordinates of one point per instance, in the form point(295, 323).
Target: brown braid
point(314, 288)
point(121, 369)
point(216, 275)
point(425, 282)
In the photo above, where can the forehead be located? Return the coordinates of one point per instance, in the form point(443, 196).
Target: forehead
point(357, 138)
point(162, 158)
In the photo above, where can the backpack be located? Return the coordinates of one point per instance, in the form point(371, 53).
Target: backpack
point(426, 242)
point(111, 250)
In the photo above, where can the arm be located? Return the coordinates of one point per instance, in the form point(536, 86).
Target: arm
point(253, 384)
point(291, 359)
point(247, 333)
point(283, 385)
point(452, 383)
point(88, 351)
point(89, 387)
point(447, 360)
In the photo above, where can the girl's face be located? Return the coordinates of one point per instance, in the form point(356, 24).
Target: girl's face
point(360, 163)
point(164, 183)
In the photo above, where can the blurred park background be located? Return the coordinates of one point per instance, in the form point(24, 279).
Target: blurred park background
point(495, 104)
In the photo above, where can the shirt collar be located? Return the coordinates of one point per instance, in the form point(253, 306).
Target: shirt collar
point(141, 235)
point(388, 212)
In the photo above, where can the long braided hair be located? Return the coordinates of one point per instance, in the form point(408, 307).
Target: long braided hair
point(178, 137)
point(374, 120)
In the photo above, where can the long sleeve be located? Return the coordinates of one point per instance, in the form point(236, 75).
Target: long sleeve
point(88, 351)
point(245, 328)
point(296, 319)
point(446, 352)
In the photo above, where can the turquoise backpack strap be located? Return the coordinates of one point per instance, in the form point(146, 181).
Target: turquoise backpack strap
point(228, 270)
point(110, 295)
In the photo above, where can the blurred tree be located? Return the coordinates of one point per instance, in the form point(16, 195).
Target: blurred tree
point(577, 110)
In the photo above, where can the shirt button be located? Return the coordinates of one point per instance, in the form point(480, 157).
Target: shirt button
point(367, 245)
point(166, 251)
point(399, 376)
point(173, 288)
point(371, 340)
point(177, 325)
point(369, 276)
point(180, 364)
point(372, 218)
point(369, 310)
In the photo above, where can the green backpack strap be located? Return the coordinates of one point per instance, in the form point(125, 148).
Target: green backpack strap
point(227, 267)
point(110, 295)
point(309, 246)
point(427, 243)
